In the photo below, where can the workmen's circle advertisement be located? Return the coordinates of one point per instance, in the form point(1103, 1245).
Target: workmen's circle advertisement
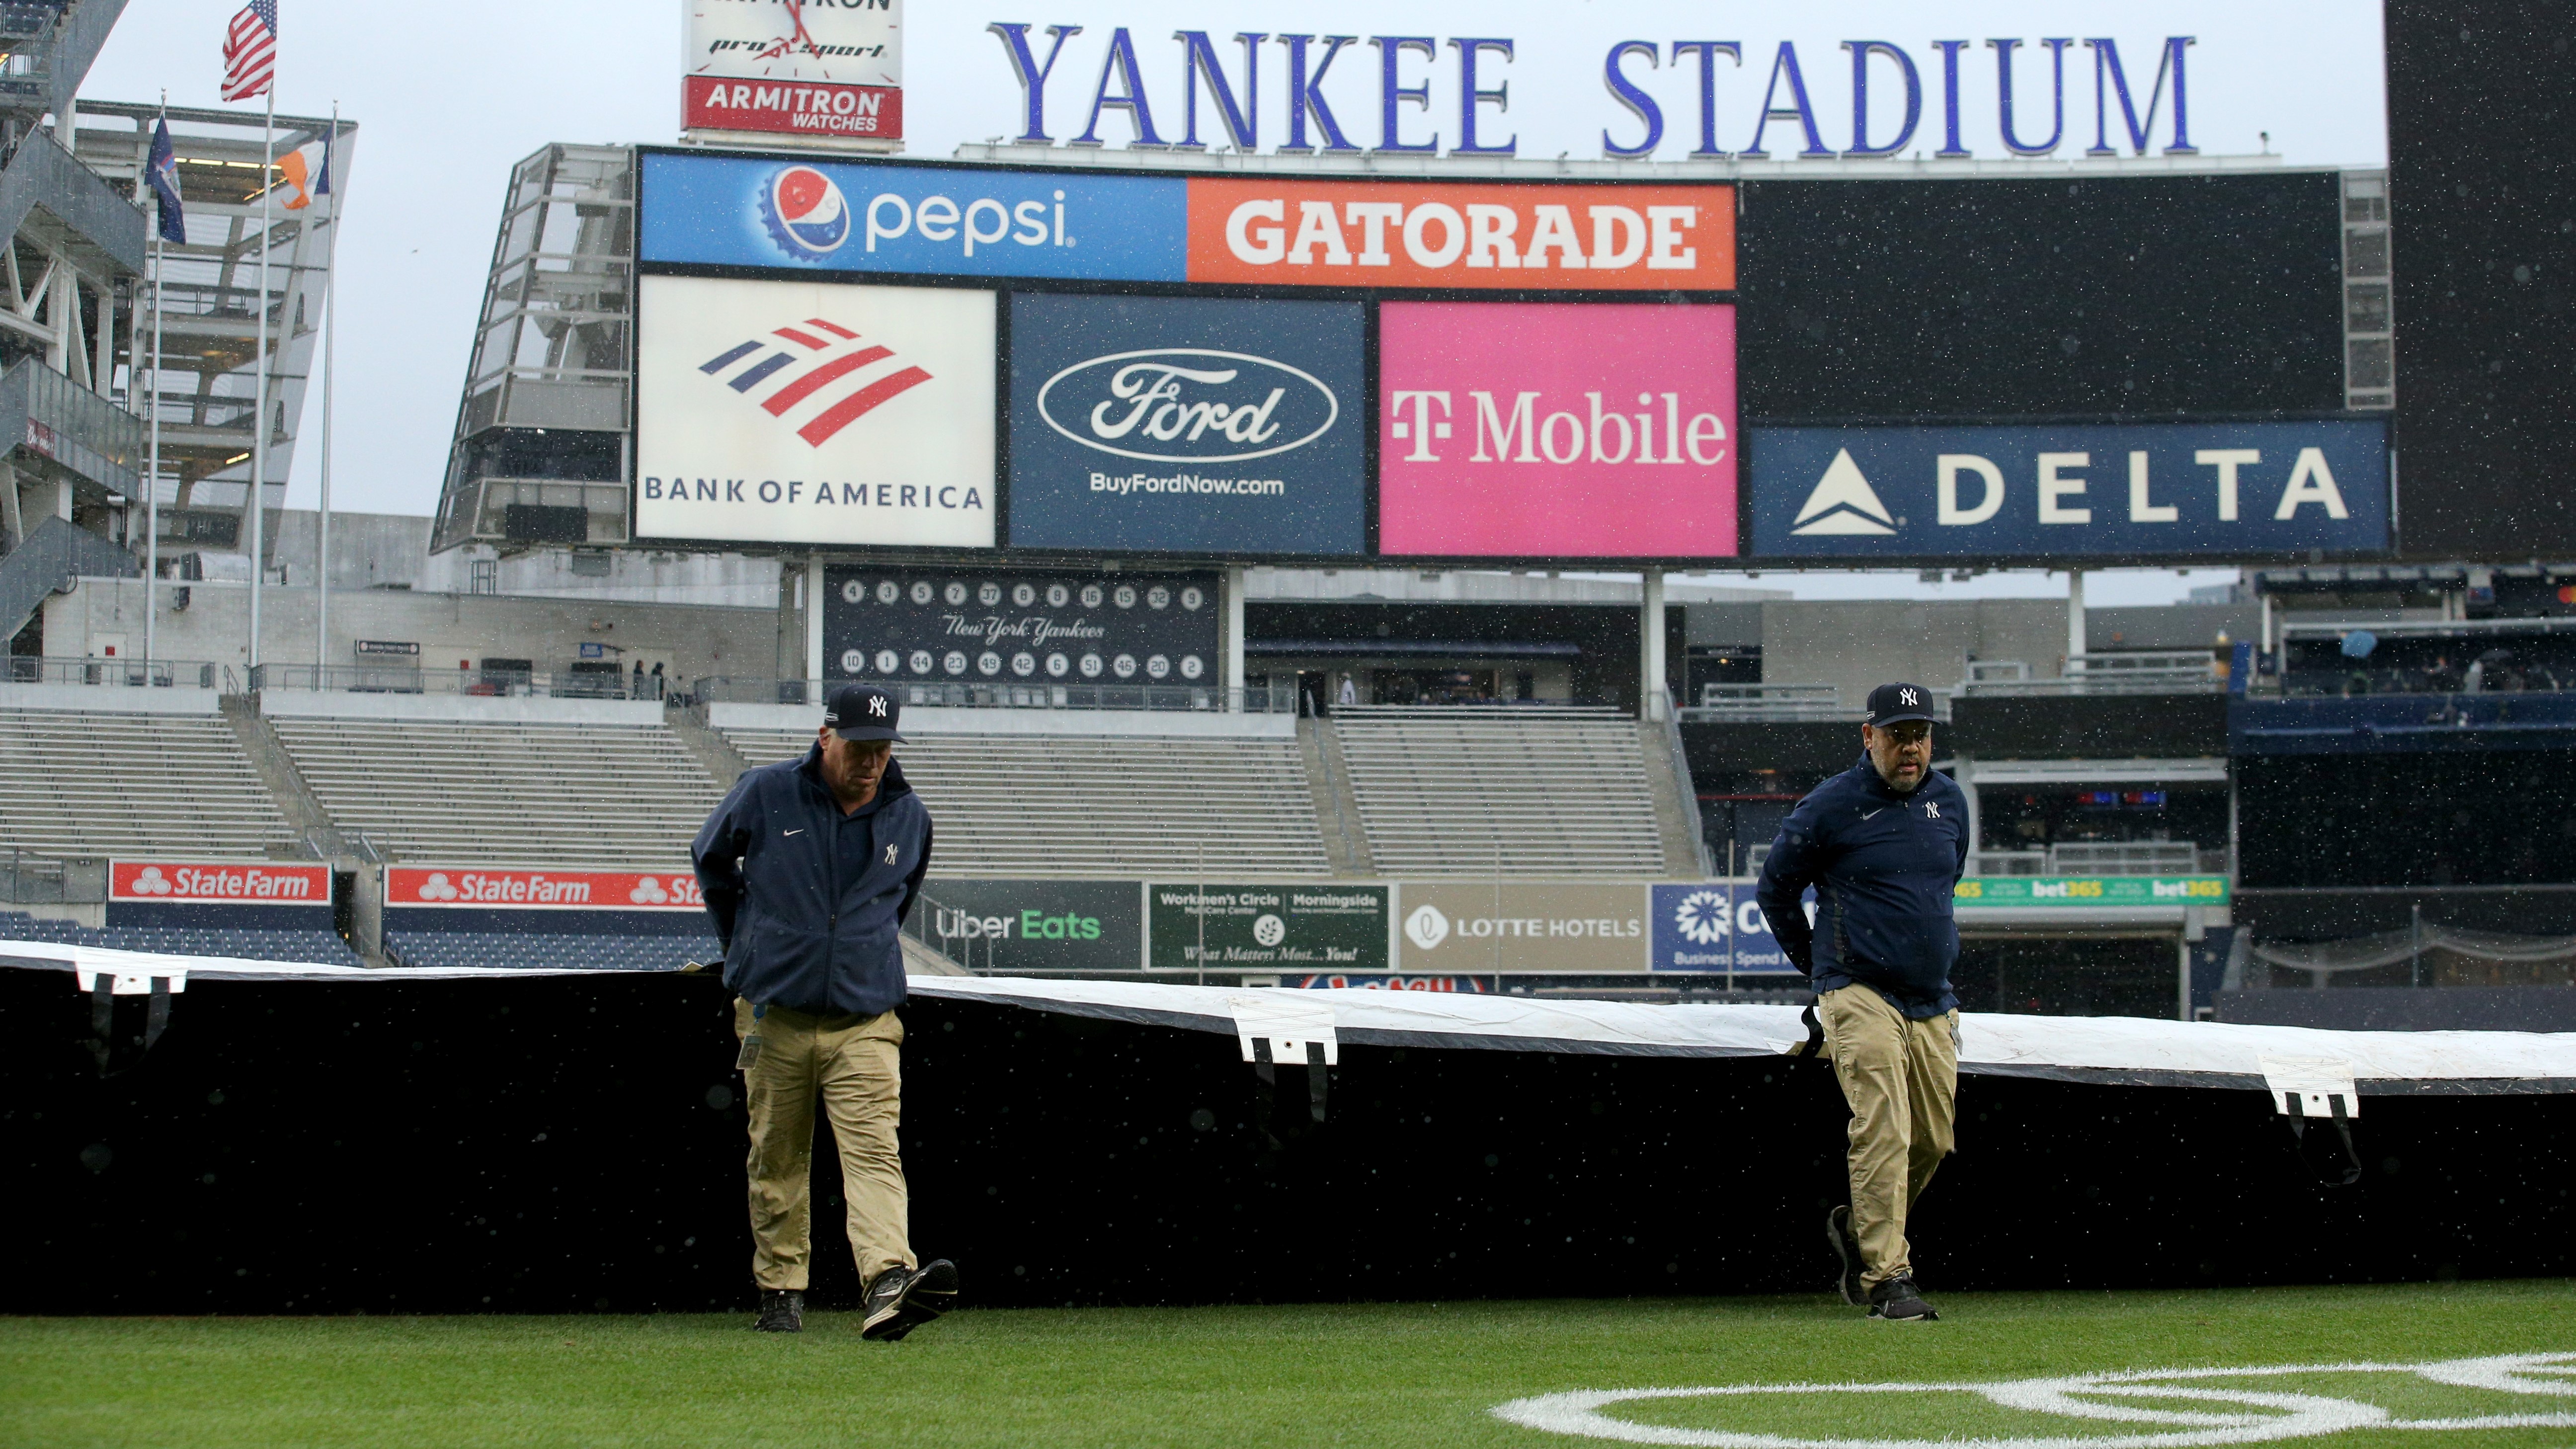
point(1313, 926)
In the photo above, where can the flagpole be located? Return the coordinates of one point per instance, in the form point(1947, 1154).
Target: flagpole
point(259, 387)
point(152, 467)
point(330, 324)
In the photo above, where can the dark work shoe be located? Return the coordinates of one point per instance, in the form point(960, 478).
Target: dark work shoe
point(1838, 1233)
point(934, 1289)
point(1896, 1301)
point(896, 1305)
point(782, 1310)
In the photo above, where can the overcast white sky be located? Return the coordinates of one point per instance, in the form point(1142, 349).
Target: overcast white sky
point(451, 95)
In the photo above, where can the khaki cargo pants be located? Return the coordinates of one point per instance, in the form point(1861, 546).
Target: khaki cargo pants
point(855, 1064)
point(1901, 1078)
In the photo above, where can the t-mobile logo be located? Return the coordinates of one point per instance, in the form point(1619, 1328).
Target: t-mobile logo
point(1521, 433)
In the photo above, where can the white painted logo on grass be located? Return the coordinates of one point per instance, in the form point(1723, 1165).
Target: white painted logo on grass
point(2236, 1414)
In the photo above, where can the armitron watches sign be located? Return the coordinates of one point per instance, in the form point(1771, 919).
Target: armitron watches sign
point(813, 71)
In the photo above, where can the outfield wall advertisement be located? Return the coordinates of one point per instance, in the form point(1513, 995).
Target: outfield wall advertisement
point(1034, 925)
point(1309, 926)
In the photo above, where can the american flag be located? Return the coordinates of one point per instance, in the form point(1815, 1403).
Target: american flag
point(250, 51)
point(843, 354)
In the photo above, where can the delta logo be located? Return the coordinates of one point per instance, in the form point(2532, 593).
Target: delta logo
point(816, 375)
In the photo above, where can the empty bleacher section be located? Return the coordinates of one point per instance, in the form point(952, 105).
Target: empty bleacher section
point(548, 951)
point(1098, 802)
point(78, 782)
point(314, 945)
point(591, 783)
point(1459, 790)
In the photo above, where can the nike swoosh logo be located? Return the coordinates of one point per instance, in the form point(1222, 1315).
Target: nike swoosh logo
point(801, 830)
point(1881, 810)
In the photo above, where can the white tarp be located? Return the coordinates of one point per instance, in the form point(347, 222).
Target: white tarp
point(2106, 1049)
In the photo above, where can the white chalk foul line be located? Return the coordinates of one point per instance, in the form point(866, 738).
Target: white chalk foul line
point(2265, 1416)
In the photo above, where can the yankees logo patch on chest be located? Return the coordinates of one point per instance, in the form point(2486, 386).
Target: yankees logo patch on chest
point(890, 855)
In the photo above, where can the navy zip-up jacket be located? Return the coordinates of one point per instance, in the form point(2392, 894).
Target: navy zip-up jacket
point(808, 902)
point(1884, 867)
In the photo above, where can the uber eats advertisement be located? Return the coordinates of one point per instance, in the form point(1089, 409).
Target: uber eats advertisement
point(1305, 926)
point(1034, 925)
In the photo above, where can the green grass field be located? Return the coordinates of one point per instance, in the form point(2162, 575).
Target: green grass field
point(1424, 1374)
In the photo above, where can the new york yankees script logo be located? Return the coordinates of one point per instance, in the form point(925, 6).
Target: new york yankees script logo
point(1908, 697)
point(876, 705)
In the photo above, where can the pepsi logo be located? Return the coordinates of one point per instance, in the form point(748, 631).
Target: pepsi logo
point(805, 213)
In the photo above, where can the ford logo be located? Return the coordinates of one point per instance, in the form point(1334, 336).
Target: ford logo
point(1188, 405)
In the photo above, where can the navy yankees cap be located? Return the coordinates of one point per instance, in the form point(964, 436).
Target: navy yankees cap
point(1890, 703)
point(863, 712)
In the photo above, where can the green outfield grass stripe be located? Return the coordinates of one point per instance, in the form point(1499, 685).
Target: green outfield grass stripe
point(2421, 1366)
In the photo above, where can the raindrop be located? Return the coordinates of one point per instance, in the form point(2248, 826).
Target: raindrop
point(97, 1156)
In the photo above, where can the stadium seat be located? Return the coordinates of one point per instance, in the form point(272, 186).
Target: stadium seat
point(315, 946)
point(488, 792)
point(1102, 805)
point(97, 783)
point(554, 952)
point(1460, 790)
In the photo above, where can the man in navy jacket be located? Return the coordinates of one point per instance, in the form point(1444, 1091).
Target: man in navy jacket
point(1883, 844)
point(809, 867)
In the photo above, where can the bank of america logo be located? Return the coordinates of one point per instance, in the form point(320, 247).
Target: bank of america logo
point(831, 383)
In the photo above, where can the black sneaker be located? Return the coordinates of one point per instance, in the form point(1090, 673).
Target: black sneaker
point(1838, 1233)
point(903, 1299)
point(782, 1310)
point(1896, 1301)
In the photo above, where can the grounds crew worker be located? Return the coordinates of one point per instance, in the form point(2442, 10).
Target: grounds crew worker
point(1884, 844)
point(809, 867)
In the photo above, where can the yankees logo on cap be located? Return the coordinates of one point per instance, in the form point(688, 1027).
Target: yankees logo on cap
point(1890, 703)
point(863, 712)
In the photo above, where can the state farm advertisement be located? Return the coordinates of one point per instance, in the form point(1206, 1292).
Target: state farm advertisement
point(167, 882)
point(1557, 430)
point(803, 68)
point(559, 890)
point(1281, 231)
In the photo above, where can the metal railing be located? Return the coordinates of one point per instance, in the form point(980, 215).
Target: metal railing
point(2177, 672)
point(2102, 857)
point(1730, 703)
point(1255, 699)
point(107, 673)
point(505, 683)
point(32, 880)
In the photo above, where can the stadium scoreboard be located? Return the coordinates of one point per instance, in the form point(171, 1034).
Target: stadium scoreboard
point(1049, 364)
